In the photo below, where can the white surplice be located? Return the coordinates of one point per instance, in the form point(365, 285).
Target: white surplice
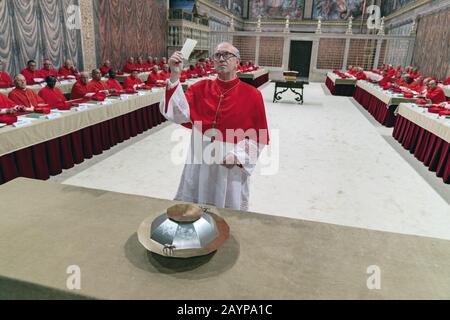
point(206, 183)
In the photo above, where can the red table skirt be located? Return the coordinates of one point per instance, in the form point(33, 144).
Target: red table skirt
point(340, 89)
point(49, 158)
point(377, 108)
point(258, 82)
point(330, 86)
point(426, 147)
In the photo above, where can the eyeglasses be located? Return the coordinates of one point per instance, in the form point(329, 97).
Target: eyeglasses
point(225, 55)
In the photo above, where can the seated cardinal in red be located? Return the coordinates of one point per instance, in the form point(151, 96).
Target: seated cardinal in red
point(30, 73)
point(68, 70)
point(80, 88)
point(435, 93)
point(52, 95)
point(6, 103)
point(112, 82)
point(96, 84)
point(129, 66)
point(5, 79)
point(48, 70)
point(154, 77)
point(105, 67)
point(24, 96)
point(133, 82)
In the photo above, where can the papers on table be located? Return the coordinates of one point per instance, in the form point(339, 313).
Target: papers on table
point(81, 107)
point(21, 123)
point(53, 115)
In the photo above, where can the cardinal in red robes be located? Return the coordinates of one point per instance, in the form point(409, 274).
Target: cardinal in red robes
point(80, 88)
point(229, 131)
point(6, 103)
point(68, 70)
point(105, 67)
point(129, 66)
point(162, 63)
point(30, 73)
point(52, 95)
point(5, 79)
point(24, 96)
point(154, 77)
point(140, 65)
point(7, 110)
point(48, 70)
point(435, 93)
point(148, 65)
point(165, 73)
point(96, 84)
point(112, 82)
point(133, 82)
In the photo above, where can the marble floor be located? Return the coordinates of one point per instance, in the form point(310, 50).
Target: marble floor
point(335, 164)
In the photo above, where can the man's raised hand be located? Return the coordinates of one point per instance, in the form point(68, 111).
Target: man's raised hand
point(176, 66)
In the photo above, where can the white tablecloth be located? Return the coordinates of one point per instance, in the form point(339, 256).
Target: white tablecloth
point(253, 74)
point(42, 129)
point(429, 121)
point(374, 76)
point(340, 81)
point(387, 97)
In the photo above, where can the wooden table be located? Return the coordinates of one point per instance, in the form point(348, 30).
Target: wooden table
point(281, 86)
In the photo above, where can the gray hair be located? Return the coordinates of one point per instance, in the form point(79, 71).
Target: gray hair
point(237, 53)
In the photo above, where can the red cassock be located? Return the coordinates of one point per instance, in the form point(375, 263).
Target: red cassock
point(6, 103)
point(129, 82)
point(436, 95)
point(79, 90)
point(148, 65)
point(129, 67)
point(242, 108)
point(352, 72)
point(5, 80)
point(201, 72)
point(25, 97)
point(113, 84)
point(153, 78)
point(447, 81)
point(96, 86)
point(31, 75)
point(45, 73)
point(65, 72)
point(140, 67)
point(164, 75)
point(399, 82)
point(53, 97)
point(104, 70)
point(185, 74)
point(361, 76)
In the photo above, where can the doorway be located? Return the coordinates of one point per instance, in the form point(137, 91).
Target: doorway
point(300, 57)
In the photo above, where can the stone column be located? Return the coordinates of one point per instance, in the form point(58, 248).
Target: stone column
point(308, 9)
point(346, 50)
point(258, 41)
point(286, 53)
point(377, 55)
point(88, 34)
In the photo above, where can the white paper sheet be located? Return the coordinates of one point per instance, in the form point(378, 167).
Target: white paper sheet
point(188, 47)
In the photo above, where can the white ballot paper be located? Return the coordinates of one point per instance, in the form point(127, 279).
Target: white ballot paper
point(188, 47)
